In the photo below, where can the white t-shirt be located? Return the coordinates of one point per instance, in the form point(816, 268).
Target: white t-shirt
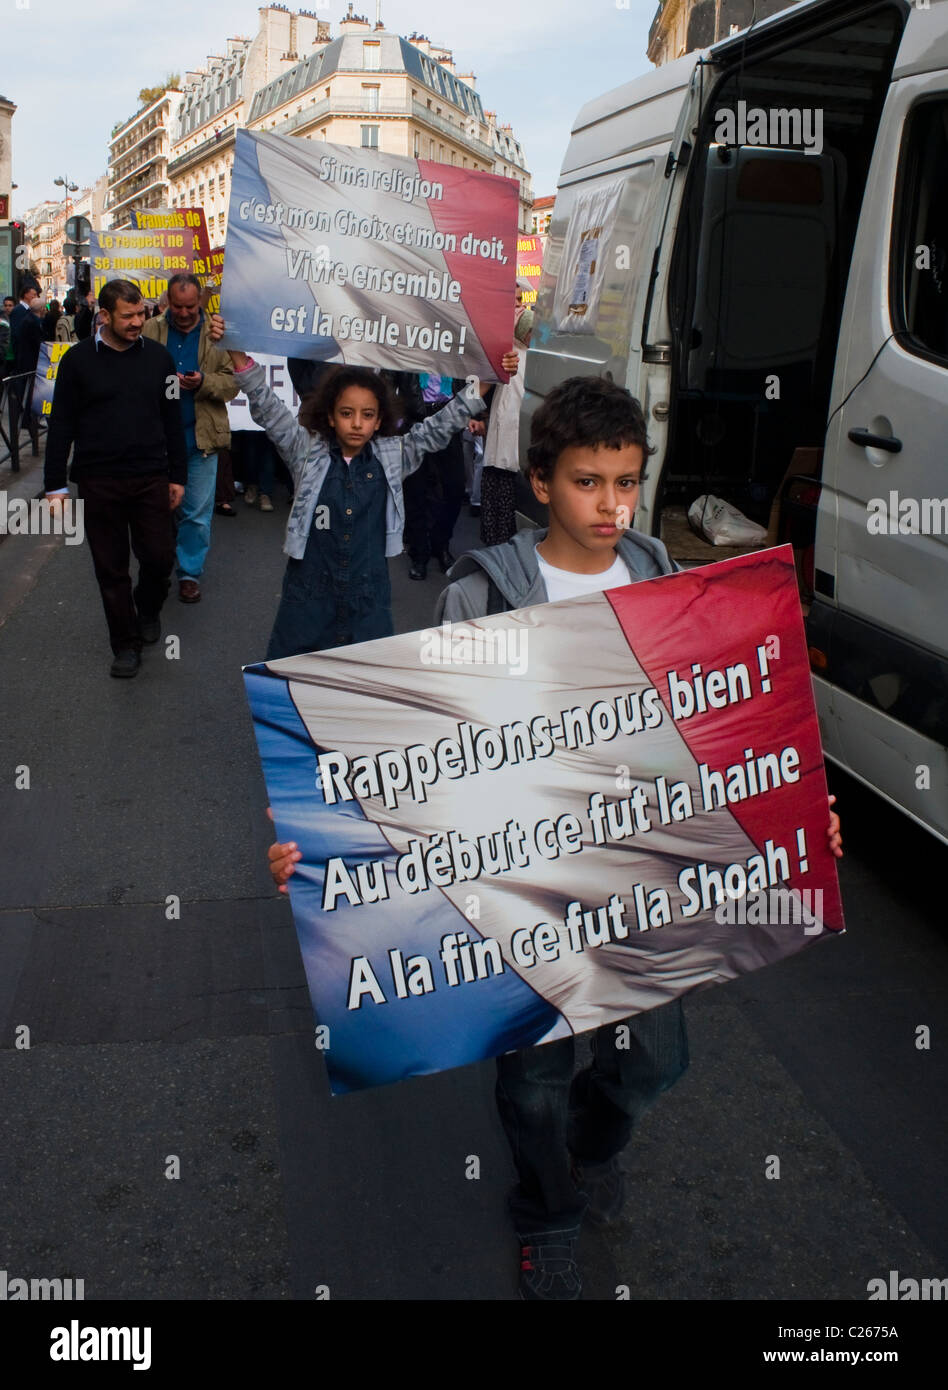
point(566, 584)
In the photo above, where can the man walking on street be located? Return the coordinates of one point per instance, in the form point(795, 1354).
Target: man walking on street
point(6, 344)
point(207, 383)
point(86, 315)
point(28, 296)
point(29, 339)
point(114, 403)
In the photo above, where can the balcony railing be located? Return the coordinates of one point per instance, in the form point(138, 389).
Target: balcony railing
point(184, 161)
point(330, 106)
point(133, 194)
point(457, 133)
point(149, 130)
point(128, 171)
point(656, 23)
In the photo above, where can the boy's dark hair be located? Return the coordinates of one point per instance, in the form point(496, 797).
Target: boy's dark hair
point(583, 412)
point(319, 403)
point(111, 293)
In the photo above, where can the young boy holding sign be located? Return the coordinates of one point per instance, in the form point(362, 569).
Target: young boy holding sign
point(348, 510)
point(586, 459)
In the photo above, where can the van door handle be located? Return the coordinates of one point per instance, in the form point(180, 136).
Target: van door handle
point(865, 440)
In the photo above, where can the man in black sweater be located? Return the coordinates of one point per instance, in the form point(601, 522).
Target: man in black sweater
point(116, 402)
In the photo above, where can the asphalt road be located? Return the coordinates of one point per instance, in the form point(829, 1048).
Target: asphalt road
point(154, 1038)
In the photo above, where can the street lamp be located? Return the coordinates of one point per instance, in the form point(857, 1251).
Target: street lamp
point(68, 187)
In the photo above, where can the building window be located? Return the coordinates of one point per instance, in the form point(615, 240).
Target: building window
point(416, 145)
point(370, 137)
point(454, 157)
point(370, 98)
point(371, 55)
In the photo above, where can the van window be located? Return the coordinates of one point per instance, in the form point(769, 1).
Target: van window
point(920, 272)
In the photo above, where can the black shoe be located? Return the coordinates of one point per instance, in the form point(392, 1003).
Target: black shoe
point(604, 1185)
point(126, 663)
point(548, 1269)
point(418, 571)
point(474, 509)
point(150, 629)
point(445, 560)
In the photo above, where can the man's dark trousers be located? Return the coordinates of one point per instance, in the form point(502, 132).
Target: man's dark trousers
point(113, 509)
point(549, 1115)
point(434, 496)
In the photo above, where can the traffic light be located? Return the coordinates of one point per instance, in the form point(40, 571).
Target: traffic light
point(23, 277)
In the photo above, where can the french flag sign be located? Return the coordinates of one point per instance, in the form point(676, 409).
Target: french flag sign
point(539, 822)
point(376, 260)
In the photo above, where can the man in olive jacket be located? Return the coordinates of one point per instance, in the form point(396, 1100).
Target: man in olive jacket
point(206, 383)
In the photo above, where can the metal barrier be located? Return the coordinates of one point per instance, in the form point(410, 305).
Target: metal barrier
point(13, 408)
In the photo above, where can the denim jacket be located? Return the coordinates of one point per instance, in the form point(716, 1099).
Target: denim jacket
point(307, 456)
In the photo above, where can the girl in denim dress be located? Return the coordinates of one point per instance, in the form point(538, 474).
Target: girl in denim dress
point(348, 509)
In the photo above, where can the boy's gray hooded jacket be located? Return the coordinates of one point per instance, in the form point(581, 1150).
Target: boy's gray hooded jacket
point(307, 455)
point(514, 569)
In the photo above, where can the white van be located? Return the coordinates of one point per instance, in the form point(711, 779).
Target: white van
point(754, 240)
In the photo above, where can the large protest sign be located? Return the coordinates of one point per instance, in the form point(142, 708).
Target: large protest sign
point(547, 820)
point(278, 379)
point(213, 276)
point(47, 368)
point(208, 263)
point(178, 219)
point(147, 258)
point(530, 266)
point(393, 262)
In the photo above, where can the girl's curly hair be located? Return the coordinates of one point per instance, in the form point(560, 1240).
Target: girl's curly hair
point(317, 405)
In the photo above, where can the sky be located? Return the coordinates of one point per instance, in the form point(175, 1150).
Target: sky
point(75, 70)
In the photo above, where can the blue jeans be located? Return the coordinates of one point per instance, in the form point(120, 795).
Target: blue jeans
point(549, 1115)
point(257, 460)
point(194, 515)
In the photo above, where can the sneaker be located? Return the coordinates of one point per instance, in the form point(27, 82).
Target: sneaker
point(265, 504)
point(250, 494)
point(126, 663)
point(604, 1185)
point(548, 1270)
point(189, 591)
